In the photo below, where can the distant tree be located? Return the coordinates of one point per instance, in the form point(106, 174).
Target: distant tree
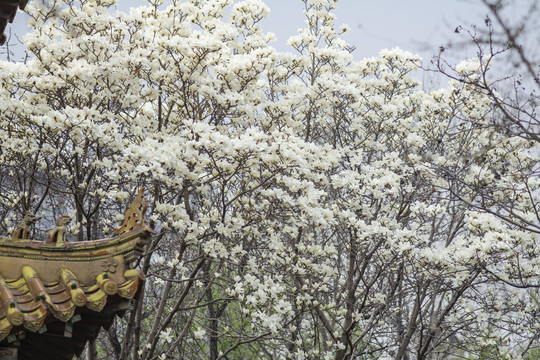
point(307, 206)
point(506, 44)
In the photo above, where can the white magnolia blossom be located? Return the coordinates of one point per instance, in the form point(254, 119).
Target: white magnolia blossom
point(306, 205)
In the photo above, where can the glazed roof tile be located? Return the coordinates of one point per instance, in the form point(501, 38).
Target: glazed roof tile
point(28, 302)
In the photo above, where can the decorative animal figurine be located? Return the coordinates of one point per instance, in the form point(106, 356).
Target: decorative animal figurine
point(58, 234)
point(134, 215)
point(22, 232)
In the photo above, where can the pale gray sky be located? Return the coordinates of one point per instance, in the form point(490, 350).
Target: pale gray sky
point(419, 26)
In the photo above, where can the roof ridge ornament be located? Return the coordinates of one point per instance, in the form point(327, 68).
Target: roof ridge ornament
point(134, 215)
point(22, 232)
point(58, 234)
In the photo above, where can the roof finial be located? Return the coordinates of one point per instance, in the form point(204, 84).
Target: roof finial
point(134, 216)
point(22, 232)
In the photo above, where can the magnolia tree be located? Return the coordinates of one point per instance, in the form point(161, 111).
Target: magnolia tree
point(306, 205)
point(506, 44)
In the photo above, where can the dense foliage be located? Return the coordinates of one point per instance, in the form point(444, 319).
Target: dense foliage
point(307, 206)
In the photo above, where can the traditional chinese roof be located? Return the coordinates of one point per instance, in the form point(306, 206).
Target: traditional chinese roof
point(8, 9)
point(55, 297)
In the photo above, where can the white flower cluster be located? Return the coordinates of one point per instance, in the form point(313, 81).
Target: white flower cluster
point(304, 202)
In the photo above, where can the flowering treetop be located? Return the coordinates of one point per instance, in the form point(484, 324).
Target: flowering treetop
point(307, 205)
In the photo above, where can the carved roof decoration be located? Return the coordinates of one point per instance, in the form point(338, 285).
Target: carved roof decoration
point(57, 296)
point(8, 9)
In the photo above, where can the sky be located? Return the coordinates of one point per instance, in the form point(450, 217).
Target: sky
point(419, 26)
